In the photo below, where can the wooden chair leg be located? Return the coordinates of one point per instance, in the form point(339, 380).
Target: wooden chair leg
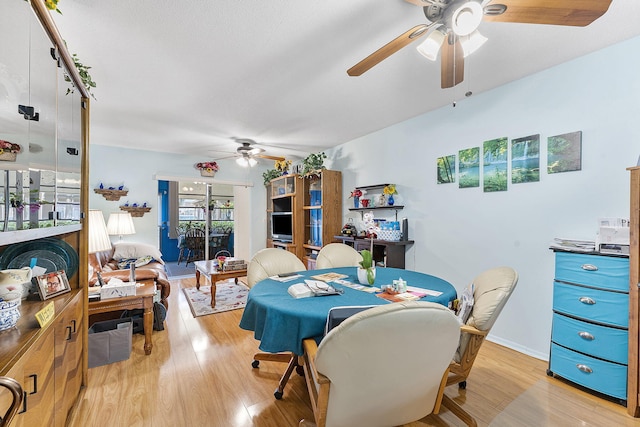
point(457, 410)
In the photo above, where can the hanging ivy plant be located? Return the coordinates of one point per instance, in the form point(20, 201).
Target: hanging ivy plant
point(51, 5)
point(83, 70)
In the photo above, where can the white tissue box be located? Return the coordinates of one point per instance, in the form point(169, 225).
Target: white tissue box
point(117, 289)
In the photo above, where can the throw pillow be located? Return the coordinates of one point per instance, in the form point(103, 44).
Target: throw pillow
point(129, 250)
point(126, 263)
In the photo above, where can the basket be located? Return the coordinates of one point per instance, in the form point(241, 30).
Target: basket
point(390, 235)
point(7, 156)
point(205, 172)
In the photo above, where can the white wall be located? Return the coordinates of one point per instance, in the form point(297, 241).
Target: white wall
point(461, 232)
point(135, 169)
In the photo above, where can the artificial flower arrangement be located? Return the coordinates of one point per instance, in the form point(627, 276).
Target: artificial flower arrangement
point(282, 165)
point(207, 166)
point(9, 147)
point(356, 193)
point(390, 190)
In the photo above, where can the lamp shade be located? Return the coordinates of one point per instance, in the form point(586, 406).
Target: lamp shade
point(120, 224)
point(98, 236)
point(246, 162)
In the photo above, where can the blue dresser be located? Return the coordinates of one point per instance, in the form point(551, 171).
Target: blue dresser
point(589, 339)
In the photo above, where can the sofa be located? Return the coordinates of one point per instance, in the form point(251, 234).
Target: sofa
point(114, 263)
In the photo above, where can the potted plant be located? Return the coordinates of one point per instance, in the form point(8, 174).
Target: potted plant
point(313, 164)
point(366, 271)
point(9, 151)
point(207, 168)
point(270, 174)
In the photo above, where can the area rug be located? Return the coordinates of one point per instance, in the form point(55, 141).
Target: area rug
point(229, 296)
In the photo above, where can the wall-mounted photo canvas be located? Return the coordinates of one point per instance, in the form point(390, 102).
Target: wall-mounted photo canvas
point(469, 167)
point(525, 159)
point(447, 169)
point(564, 152)
point(494, 165)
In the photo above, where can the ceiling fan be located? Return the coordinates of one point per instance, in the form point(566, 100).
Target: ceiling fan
point(247, 153)
point(453, 28)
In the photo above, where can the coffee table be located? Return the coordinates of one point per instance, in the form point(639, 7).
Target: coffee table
point(209, 269)
point(142, 299)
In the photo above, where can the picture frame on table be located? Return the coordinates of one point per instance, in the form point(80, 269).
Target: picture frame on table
point(53, 284)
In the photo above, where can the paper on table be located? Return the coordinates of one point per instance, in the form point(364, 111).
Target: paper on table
point(421, 292)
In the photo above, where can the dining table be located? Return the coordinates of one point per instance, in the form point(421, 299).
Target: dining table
point(281, 322)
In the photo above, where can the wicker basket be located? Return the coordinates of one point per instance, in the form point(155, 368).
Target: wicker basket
point(7, 156)
point(205, 172)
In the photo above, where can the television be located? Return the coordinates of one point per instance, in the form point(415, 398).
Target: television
point(282, 226)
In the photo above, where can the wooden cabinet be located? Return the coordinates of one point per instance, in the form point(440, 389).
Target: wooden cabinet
point(322, 212)
point(47, 362)
point(590, 327)
point(49, 177)
point(313, 208)
point(633, 376)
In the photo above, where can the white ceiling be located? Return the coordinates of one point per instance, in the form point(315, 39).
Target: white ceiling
point(187, 76)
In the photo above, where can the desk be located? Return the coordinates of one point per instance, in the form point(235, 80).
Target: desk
point(280, 322)
point(142, 299)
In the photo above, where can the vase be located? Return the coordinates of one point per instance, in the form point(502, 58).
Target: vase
point(365, 203)
point(366, 276)
point(390, 200)
point(356, 202)
point(207, 172)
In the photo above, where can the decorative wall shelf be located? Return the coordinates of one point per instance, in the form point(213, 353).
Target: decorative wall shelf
point(111, 195)
point(136, 211)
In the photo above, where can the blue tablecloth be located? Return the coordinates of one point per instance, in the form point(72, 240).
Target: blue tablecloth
point(280, 322)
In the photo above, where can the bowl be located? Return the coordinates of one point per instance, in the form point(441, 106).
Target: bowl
point(9, 313)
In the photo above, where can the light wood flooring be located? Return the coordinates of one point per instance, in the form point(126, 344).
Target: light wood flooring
point(199, 374)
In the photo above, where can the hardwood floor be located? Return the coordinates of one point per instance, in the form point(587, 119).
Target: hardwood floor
point(199, 374)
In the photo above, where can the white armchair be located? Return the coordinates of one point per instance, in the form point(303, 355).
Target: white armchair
point(385, 366)
point(266, 263)
point(336, 255)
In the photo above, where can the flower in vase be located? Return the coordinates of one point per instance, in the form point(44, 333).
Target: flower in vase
point(356, 193)
point(389, 190)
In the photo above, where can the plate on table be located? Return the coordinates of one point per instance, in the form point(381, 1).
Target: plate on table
point(45, 259)
point(48, 244)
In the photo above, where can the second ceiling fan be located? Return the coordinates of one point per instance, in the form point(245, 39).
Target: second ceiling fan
point(453, 28)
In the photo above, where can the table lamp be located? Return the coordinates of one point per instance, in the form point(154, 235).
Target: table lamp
point(98, 235)
point(120, 223)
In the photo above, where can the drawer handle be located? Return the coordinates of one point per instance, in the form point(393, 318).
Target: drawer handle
point(586, 336)
point(587, 300)
point(589, 267)
point(584, 368)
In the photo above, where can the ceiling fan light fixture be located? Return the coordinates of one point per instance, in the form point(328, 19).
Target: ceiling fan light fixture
point(246, 162)
point(431, 46)
point(466, 18)
point(472, 42)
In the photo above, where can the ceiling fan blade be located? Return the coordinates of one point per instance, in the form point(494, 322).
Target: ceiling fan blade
point(387, 50)
point(576, 13)
point(452, 71)
point(264, 156)
point(421, 3)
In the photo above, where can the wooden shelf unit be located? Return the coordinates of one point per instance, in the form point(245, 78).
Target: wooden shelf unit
point(633, 370)
point(111, 195)
point(315, 204)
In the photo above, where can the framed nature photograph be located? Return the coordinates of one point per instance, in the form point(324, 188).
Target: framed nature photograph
point(525, 159)
point(447, 169)
point(469, 168)
point(53, 284)
point(494, 166)
point(564, 152)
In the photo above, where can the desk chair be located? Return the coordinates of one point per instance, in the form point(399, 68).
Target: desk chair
point(336, 255)
point(385, 366)
point(492, 289)
point(266, 263)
